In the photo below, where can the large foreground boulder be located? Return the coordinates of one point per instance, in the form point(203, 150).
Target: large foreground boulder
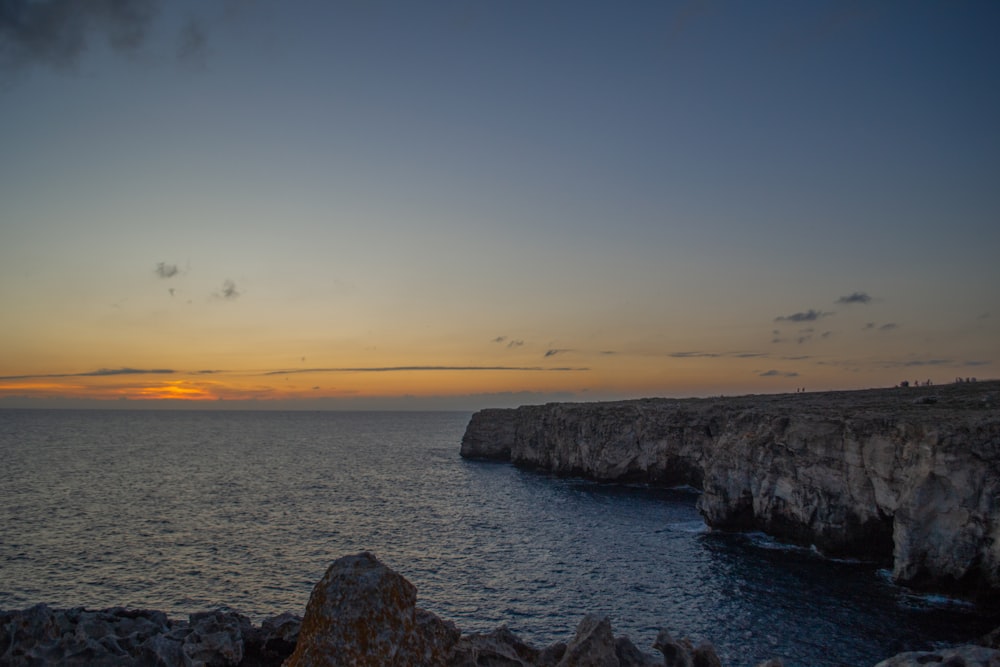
point(363, 613)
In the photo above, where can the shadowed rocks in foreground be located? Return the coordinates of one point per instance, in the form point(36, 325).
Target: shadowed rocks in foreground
point(360, 614)
point(907, 476)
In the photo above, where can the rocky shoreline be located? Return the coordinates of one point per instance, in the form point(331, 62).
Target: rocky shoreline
point(361, 613)
point(908, 476)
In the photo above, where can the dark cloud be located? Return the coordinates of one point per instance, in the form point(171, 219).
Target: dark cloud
point(693, 355)
point(192, 44)
point(229, 291)
point(399, 369)
point(856, 297)
point(101, 372)
point(773, 373)
point(553, 352)
point(749, 355)
point(888, 327)
point(977, 363)
point(163, 270)
point(826, 334)
point(56, 32)
point(808, 316)
point(511, 343)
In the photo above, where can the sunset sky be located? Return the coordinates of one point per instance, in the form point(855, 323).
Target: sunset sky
point(366, 204)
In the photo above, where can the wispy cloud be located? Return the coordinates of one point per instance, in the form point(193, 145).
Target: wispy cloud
point(808, 316)
point(855, 297)
point(888, 327)
point(164, 270)
point(693, 355)
point(511, 342)
point(773, 373)
point(101, 372)
point(403, 369)
point(927, 362)
point(553, 352)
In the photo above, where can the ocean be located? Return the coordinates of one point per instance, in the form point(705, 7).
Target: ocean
point(185, 511)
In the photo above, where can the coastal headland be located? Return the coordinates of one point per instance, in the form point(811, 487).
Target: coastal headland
point(908, 477)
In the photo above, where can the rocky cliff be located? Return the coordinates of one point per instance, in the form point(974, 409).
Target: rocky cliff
point(907, 476)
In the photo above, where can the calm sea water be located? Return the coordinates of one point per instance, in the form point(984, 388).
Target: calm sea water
point(185, 511)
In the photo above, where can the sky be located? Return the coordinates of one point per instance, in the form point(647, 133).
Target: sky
point(457, 205)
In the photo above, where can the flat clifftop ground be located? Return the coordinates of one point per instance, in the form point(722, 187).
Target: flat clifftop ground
point(955, 398)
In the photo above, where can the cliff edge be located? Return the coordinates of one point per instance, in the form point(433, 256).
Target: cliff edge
point(908, 476)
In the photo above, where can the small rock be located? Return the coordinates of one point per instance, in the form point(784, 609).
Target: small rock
point(675, 654)
point(629, 654)
point(704, 655)
point(500, 647)
point(593, 645)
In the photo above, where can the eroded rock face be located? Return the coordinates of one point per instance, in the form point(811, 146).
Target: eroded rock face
point(882, 475)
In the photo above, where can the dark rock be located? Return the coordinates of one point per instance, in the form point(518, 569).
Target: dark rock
point(675, 653)
point(215, 638)
point(500, 648)
point(704, 655)
point(552, 654)
point(593, 645)
point(630, 656)
point(271, 643)
point(991, 639)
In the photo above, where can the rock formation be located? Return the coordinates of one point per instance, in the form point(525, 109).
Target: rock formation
point(121, 637)
point(360, 614)
point(909, 476)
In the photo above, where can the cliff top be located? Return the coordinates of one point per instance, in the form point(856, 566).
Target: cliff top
point(955, 399)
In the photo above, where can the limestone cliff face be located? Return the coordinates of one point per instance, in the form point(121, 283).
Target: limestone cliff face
point(907, 476)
